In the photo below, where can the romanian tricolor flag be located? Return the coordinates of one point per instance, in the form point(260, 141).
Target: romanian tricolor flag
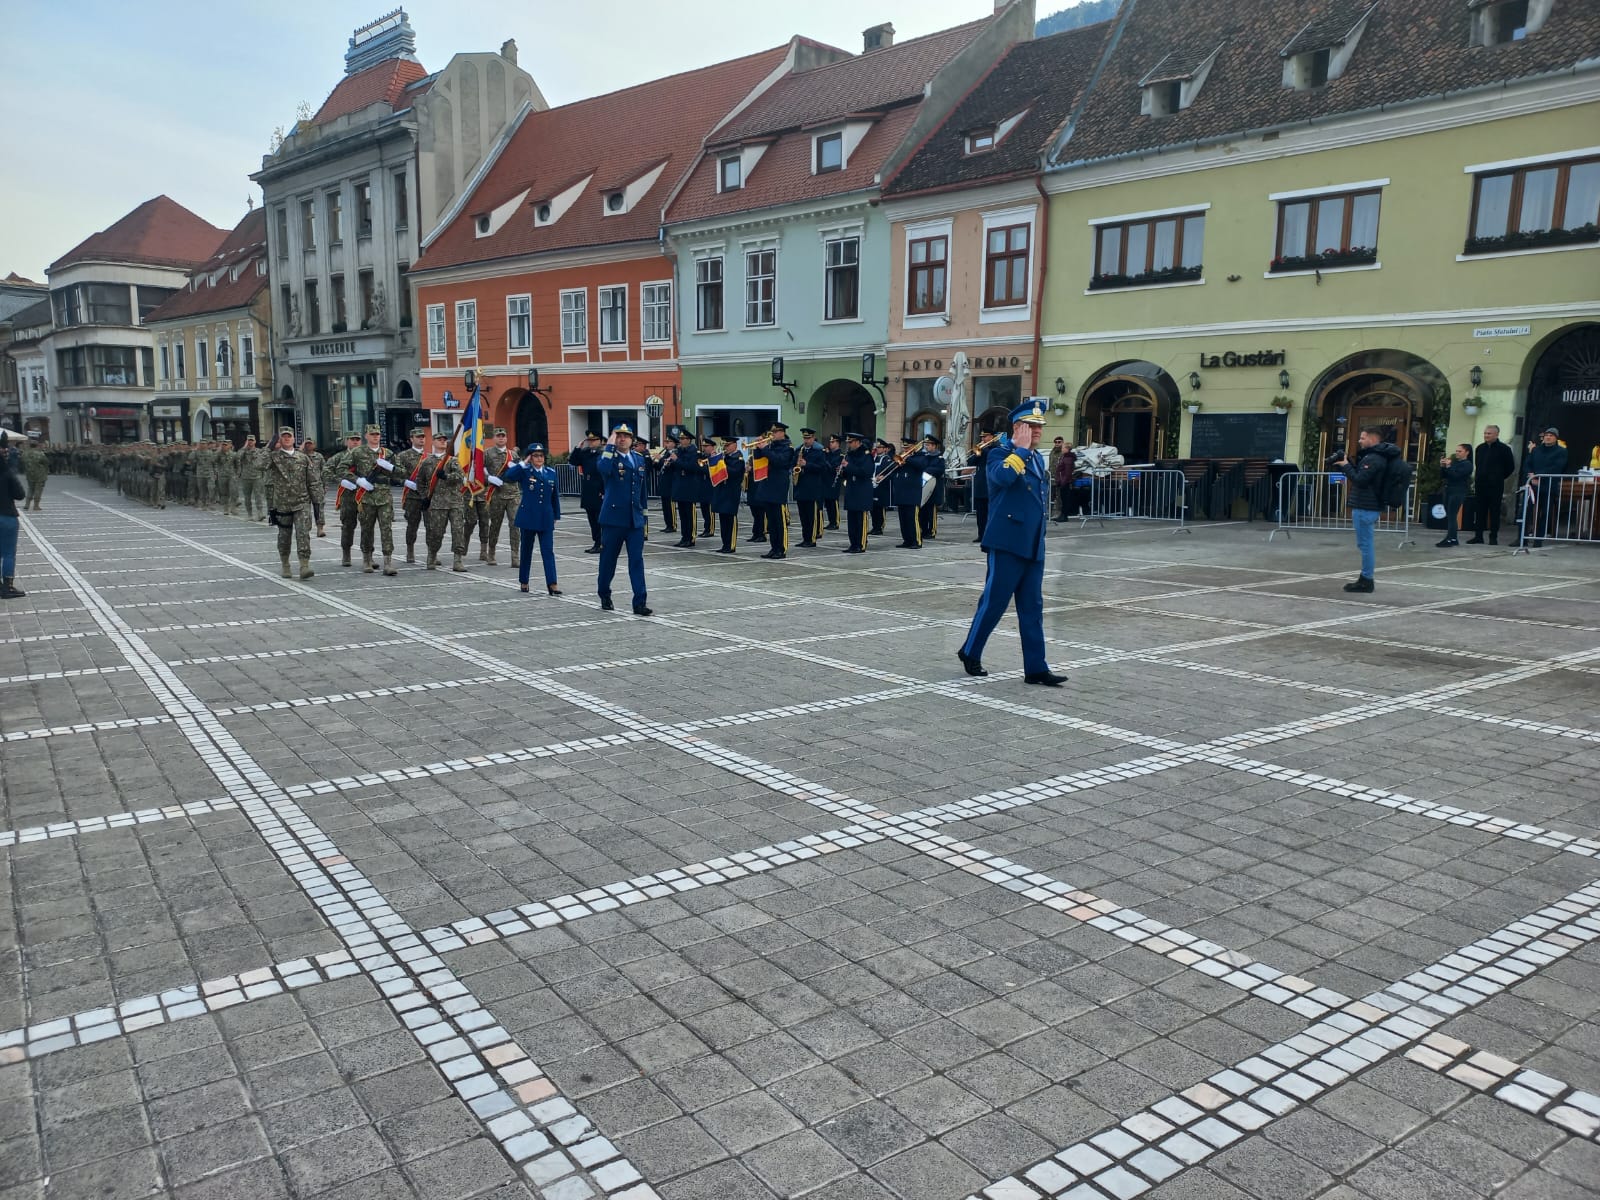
point(470, 437)
point(719, 472)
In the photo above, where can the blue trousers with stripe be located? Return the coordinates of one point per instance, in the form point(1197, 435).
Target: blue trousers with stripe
point(614, 539)
point(1012, 579)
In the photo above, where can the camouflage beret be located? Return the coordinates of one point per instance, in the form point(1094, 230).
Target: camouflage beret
point(374, 429)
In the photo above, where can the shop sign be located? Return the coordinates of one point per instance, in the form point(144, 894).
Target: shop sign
point(1258, 358)
point(113, 414)
point(231, 412)
point(1503, 331)
point(323, 349)
point(992, 362)
point(1581, 396)
point(450, 400)
point(166, 410)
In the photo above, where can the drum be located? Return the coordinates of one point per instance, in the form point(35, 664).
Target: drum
point(928, 485)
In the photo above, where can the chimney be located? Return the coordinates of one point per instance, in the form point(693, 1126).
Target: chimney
point(508, 51)
point(879, 37)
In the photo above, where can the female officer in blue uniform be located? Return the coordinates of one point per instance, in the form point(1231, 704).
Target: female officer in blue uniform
point(1019, 507)
point(622, 517)
point(537, 513)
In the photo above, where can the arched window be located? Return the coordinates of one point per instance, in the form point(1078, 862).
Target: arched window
point(929, 420)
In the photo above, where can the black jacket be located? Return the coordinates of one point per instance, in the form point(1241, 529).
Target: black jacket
point(1546, 460)
point(1458, 476)
point(1495, 464)
point(1366, 475)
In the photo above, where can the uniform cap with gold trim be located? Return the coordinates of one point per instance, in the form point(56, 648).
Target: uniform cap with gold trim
point(1031, 411)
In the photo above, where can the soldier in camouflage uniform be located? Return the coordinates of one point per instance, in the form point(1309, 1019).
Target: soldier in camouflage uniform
point(36, 466)
point(502, 501)
point(406, 465)
point(290, 491)
point(439, 483)
point(247, 474)
point(205, 472)
point(344, 495)
point(476, 506)
point(319, 476)
point(372, 470)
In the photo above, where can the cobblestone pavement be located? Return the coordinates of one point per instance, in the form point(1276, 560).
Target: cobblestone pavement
point(374, 887)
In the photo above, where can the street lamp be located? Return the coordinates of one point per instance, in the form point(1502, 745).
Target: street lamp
point(1476, 376)
point(1194, 380)
point(655, 406)
point(1283, 379)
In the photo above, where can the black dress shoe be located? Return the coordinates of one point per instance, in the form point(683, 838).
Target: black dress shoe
point(1447, 542)
point(1044, 678)
point(724, 550)
point(808, 545)
point(606, 605)
point(971, 664)
point(977, 541)
point(1359, 584)
point(833, 527)
point(775, 554)
point(758, 541)
point(707, 533)
point(1476, 540)
point(642, 610)
point(594, 549)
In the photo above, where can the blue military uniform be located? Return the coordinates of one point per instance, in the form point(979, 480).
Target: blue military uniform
point(725, 495)
point(1019, 508)
point(905, 490)
point(855, 475)
point(591, 487)
point(622, 521)
point(932, 464)
point(812, 486)
point(536, 516)
point(836, 482)
point(882, 460)
point(688, 476)
point(772, 493)
point(980, 488)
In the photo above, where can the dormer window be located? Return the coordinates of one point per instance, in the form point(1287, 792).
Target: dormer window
point(829, 153)
point(483, 225)
point(1501, 22)
point(541, 215)
point(1166, 98)
point(614, 202)
point(730, 174)
point(1173, 83)
point(980, 140)
point(1311, 70)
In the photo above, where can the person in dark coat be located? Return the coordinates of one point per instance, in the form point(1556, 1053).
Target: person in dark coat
point(725, 492)
point(882, 483)
point(537, 513)
point(855, 477)
point(932, 464)
point(1066, 480)
point(591, 488)
point(980, 488)
point(1365, 474)
point(1495, 464)
point(835, 459)
point(688, 473)
point(811, 486)
point(905, 490)
point(1547, 458)
point(708, 450)
point(772, 492)
point(1457, 479)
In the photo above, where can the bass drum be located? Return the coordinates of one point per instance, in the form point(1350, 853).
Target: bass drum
point(929, 483)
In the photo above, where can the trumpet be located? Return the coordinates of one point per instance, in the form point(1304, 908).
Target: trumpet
point(987, 440)
point(760, 443)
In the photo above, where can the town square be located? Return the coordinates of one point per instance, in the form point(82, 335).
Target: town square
point(780, 625)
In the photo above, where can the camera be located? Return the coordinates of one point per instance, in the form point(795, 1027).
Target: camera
point(1334, 459)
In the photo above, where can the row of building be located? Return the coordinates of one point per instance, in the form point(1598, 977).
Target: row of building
point(1212, 229)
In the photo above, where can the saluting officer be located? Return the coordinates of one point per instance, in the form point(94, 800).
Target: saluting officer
point(855, 474)
point(1019, 501)
point(622, 518)
point(811, 486)
point(591, 488)
point(538, 510)
point(725, 495)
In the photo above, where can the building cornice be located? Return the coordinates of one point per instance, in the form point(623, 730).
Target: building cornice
point(786, 214)
point(523, 264)
point(403, 126)
point(495, 371)
point(1389, 320)
point(953, 200)
point(790, 355)
point(1331, 133)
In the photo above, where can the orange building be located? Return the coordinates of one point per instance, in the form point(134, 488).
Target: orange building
point(548, 279)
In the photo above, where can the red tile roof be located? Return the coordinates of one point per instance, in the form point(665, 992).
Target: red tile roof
point(1410, 50)
point(889, 82)
point(384, 83)
point(160, 232)
point(616, 138)
point(213, 287)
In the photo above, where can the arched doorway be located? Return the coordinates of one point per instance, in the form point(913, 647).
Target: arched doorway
point(1129, 405)
point(1564, 391)
point(403, 392)
point(1407, 397)
point(993, 420)
point(532, 422)
point(843, 405)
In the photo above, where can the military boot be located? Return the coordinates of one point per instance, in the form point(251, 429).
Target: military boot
point(433, 560)
point(366, 562)
point(460, 563)
point(305, 569)
point(388, 565)
point(344, 556)
point(483, 554)
point(411, 554)
point(284, 559)
point(490, 560)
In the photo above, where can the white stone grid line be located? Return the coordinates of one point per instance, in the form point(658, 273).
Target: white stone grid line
point(1572, 1109)
point(812, 792)
point(535, 1127)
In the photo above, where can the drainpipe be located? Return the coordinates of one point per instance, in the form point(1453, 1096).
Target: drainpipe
point(1044, 271)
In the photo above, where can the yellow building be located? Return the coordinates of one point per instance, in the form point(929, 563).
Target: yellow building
point(1262, 237)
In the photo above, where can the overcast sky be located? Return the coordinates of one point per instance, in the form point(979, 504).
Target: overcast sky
point(109, 103)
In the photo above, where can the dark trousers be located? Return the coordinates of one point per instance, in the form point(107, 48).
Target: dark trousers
point(778, 528)
point(832, 507)
point(758, 522)
point(705, 518)
point(547, 552)
point(1453, 501)
point(594, 524)
point(810, 521)
point(929, 516)
point(981, 507)
point(1486, 505)
point(686, 521)
point(910, 531)
point(878, 511)
point(669, 519)
point(729, 525)
point(612, 540)
point(855, 520)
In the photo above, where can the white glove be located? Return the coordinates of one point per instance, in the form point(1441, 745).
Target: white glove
point(347, 485)
point(495, 479)
point(366, 484)
point(412, 484)
point(386, 464)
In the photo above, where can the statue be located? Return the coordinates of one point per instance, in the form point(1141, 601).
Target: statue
point(958, 425)
point(294, 316)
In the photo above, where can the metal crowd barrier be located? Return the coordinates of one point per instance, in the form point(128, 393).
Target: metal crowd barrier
point(1138, 494)
point(1559, 508)
point(1313, 501)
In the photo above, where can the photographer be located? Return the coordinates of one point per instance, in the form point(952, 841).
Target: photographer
point(12, 489)
point(1373, 456)
point(1457, 479)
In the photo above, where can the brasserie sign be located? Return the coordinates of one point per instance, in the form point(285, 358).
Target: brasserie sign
point(1257, 358)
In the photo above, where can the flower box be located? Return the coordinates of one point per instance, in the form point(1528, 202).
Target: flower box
point(1355, 256)
point(1534, 239)
point(1099, 283)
